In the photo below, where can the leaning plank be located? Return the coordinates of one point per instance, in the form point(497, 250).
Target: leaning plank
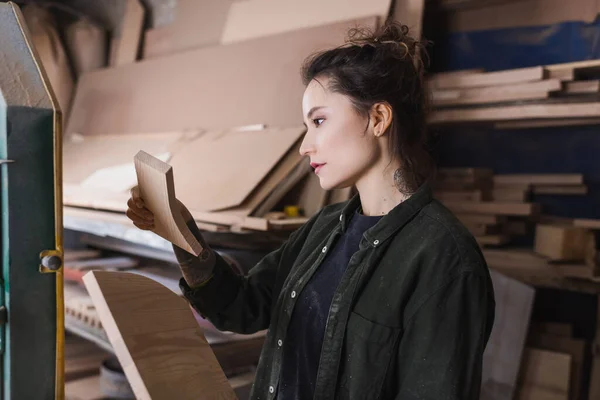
point(128, 42)
point(131, 99)
point(246, 18)
point(496, 94)
point(517, 209)
point(155, 179)
point(156, 338)
point(507, 77)
point(515, 113)
point(538, 179)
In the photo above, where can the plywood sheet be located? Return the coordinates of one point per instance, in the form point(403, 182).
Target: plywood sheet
point(128, 42)
point(502, 356)
point(259, 18)
point(258, 80)
point(84, 156)
point(156, 338)
point(220, 169)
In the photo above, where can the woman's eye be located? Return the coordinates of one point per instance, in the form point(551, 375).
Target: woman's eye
point(318, 121)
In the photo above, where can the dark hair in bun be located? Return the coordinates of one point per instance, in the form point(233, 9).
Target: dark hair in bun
point(384, 66)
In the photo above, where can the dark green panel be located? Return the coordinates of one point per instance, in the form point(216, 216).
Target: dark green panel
point(29, 295)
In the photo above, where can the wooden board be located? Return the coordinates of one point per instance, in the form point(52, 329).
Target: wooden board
point(510, 194)
point(459, 195)
point(491, 207)
point(156, 338)
point(561, 243)
point(492, 240)
point(546, 123)
point(198, 23)
point(560, 189)
point(497, 94)
point(246, 19)
point(518, 112)
point(547, 370)
point(155, 180)
point(84, 389)
point(237, 160)
point(582, 87)
point(502, 355)
point(538, 179)
point(267, 90)
point(467, 218)
point(574, 348)
point(100, 161)
point(128, 43)
point(74, 255)
point(587, 223)
point(312, 196)
point(409, 13)
point(507, 77)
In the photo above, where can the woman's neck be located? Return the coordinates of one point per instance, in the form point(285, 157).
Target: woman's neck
point(378, 192)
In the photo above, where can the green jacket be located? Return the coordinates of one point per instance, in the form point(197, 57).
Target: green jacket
point(409, 320)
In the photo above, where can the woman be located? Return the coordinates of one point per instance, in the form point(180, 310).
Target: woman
point(386, 296)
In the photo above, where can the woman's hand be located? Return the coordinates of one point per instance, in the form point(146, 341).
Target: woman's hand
point(138, 213)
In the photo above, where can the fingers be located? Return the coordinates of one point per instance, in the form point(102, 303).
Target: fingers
point(136, 196)
point(139, 221)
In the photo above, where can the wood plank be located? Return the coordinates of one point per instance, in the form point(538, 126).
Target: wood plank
point(409, 13)
point(155, 179)
point(497, 94)
point(515, 113)
point(584, 65)
point(575, 348)
point(128, 43)
point(466, 219)
point(131, 99)
point(491, 207)
point(513, 76)
point(564, 75)
point(533, 392)
point(561, 243)
point(546, 123)
point(548, 370)
point(502, 355)
point(538, 179)
point(74, 255)
point(492, 240)
point(442, 76)
point(587, 223)
point(198, 23)
point(560, 189)
point(84, 389)
point(246, 19)
point(312, 196)
point(239, 158)
point(582, 87)
point(149, 348)
point(459, 195)
point(509, 194)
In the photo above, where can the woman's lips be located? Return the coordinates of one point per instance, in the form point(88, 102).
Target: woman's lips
point(317, 167)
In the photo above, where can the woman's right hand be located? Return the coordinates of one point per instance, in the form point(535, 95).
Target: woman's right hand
point(138, 213)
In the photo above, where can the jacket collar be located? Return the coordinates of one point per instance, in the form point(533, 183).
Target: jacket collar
point(392, 221)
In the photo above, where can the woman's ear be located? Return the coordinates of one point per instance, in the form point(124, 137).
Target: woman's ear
point(381, 116)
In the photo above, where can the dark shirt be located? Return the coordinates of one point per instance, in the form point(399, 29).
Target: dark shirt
point(304, 339)
point(409, 320)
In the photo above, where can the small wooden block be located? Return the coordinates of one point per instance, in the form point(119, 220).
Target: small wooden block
point(155, 180)
point(156, 338)
point(561, 243)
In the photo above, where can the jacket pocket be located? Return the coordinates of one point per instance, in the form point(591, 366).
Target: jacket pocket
point(368, 350)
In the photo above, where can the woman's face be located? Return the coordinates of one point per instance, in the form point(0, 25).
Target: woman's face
point(339, 141)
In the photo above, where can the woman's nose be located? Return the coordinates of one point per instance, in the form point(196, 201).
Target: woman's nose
point(307, 147)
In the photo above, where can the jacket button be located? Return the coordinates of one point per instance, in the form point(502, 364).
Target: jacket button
point(324, 249)
point(375, 242)
point(341, 216)
point(271, 389)
point(293, 294)
point(280, 343)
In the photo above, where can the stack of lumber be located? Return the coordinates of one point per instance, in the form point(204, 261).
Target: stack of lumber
point(551, 95)
point(470, 194)
point(553, 363)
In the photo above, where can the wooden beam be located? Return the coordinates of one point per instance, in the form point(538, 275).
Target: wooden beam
point(156, 338)
point(515, 113)
point(538, 179)
point(546, 123)
point(516, 209)
point(582, 87)
point(507, 77)
point(155, 179)
point(496, 94)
